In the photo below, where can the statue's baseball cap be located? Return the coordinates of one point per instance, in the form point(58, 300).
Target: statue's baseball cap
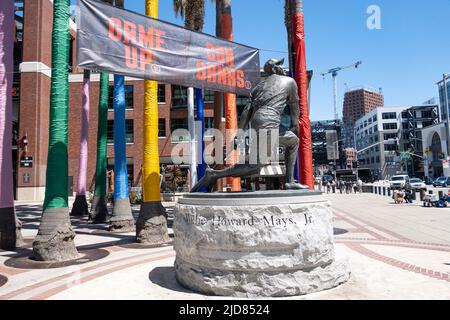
point(270, 64)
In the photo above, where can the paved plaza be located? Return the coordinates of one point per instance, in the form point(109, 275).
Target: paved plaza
point(395, 252)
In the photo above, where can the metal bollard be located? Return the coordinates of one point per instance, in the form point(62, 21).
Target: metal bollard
point(379, 191)
point(384, 191)
point(389, 191)
point(375, 189)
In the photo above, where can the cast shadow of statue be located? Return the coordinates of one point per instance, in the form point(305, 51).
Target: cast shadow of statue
point(165, 278)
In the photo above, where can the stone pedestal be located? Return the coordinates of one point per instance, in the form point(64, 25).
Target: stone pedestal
point(268, 244)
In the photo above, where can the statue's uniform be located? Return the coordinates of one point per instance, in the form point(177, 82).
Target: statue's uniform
point(269, 100)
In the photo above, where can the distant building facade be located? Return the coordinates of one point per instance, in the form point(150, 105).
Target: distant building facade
point(357, 103)
point(385, 133)
point(443, 100)
point(326, 144)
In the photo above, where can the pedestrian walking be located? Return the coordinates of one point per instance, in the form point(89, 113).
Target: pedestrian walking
point(360, 185)
point(341, 186)
point(333, 186)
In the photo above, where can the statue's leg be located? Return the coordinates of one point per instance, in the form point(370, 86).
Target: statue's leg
point(290, 141)
point(211, 176)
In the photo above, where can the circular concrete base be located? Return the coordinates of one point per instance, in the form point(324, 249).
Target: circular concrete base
point(85, 256)
point(258, 244)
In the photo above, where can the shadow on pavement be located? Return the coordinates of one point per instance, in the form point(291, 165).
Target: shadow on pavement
point(3, 280)
point(338, 231)
point(165, 278)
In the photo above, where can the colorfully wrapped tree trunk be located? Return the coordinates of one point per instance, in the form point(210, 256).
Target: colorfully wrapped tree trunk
point(99, 210)
point(10, 234)
point(201, 167)
point(231, 122)
point(301, 77)
point(80, 206)
point(54, 241)
point(218, 103)
point(122, 218)
point(194, 13)
point(288, 14)
point(151, 226)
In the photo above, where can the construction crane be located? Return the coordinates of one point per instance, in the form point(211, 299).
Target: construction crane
point(334, 72)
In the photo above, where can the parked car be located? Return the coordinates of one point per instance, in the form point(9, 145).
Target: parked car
point(327, 178)
point(442, 182)
point(398, 182)
point(417, 184)
point(428, 181)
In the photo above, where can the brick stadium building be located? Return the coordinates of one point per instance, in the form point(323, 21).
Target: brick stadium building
point(357, 103)
point(32, 98)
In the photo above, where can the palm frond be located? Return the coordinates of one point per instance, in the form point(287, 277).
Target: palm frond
point(179, 7)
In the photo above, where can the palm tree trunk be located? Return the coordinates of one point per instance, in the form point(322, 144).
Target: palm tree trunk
point(10, 234)
point(192, 144)
point(288, 21)
point(231, 124)
point(201, 168)
point(54, 241)
point(151, 226)
point(122, 217)
point(218, 102)
point(80, 206)
point(301, 77)
point(99, 210)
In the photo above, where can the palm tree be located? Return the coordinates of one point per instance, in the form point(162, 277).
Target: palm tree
point(151, 226)
point(80, 206)
point(122, 217)
point(289, 29)
point(218, 97)
point(194, 13)
point(231, 124)
point(301, 77)
point(99, 210)
point(54, 241)
point(10, 234)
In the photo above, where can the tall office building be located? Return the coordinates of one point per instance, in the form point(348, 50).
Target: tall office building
point(442, 100)
point(357, 103)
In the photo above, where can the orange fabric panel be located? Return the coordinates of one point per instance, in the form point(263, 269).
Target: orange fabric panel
point(230, 107)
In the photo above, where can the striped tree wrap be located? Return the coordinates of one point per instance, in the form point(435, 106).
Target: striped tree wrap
point(56, 191)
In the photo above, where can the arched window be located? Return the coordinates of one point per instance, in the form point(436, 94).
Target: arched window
point(436, 146)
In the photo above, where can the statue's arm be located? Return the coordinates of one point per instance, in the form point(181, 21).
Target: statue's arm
point(294, 108)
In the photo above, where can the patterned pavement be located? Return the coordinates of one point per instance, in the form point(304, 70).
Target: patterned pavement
point(395, 251)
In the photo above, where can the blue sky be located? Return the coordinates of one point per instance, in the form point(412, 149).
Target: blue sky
point(405, 58)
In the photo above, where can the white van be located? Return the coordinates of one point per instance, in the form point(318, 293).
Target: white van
point(398, 182)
